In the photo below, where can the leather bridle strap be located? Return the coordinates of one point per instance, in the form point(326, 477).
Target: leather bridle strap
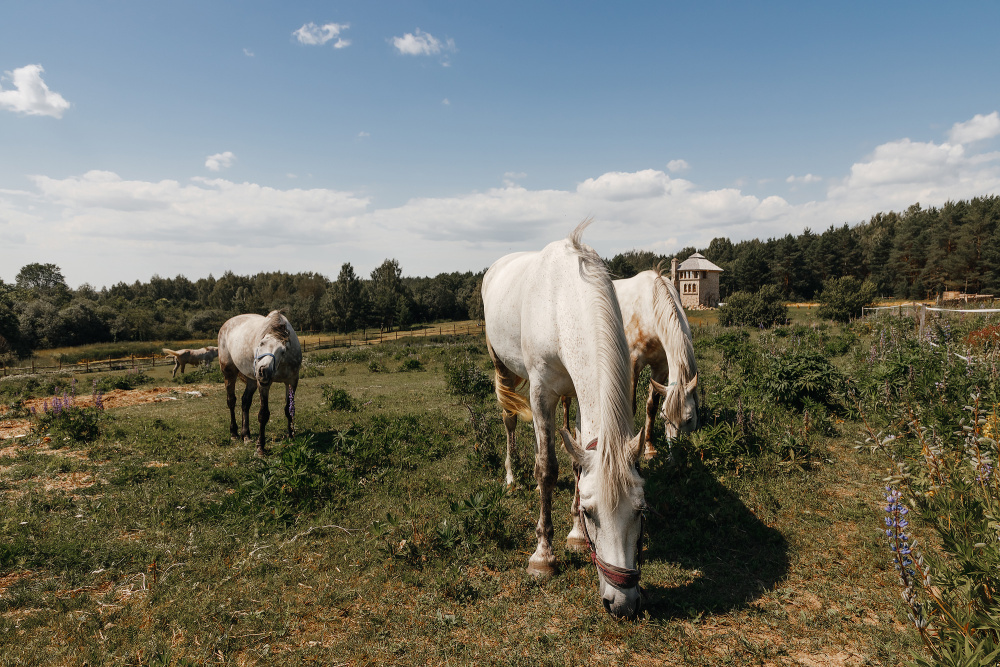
point(620, 577)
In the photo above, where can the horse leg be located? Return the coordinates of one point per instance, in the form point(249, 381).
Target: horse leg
point(652, 403)
point(173, 371)
point(262, 417)
point(566, 400)
point(289, 402)
point(248, 393)
point(509, 424)
point(576, 540)
point(636, 369)
point(543, 403)
point(230, 378)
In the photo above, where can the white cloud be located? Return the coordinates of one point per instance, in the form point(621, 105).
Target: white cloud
point(248, 53)
point(213, 224)
point(446, 102)
point(978, 128)
point(675, 166)
point(419, 43)
point(220, 161)
point(30, 95)
point(311, 34)
point(622, 186)
point(808, 178)
point(101, 203)
point(363, 135)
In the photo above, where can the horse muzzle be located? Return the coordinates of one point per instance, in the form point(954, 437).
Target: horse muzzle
point(264, 373)
point(621, 603)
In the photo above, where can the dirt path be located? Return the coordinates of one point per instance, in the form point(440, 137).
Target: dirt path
point(116, 398)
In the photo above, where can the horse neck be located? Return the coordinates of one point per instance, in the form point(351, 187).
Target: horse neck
point(602, 385)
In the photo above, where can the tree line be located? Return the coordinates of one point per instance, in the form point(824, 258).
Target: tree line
point(39, 310)
point(916, 254)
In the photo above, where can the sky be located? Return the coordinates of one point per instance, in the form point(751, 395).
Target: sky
point(193, 138)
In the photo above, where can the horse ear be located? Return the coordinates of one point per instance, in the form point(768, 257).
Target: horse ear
point(571, 447)
point(637, 445)
point(692, 385)
point(660, 389)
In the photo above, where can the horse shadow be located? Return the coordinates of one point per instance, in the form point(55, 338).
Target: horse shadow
point(700, 525)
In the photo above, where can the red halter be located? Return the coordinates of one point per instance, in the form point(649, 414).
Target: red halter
point(620, 577)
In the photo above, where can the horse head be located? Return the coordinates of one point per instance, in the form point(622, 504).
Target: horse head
point(611, 511)
point(266, 359)
point(680, 406)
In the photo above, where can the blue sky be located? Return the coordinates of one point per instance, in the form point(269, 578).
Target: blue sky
point(198, 137)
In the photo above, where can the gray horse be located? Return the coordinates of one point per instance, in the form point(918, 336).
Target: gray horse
point(260, 351)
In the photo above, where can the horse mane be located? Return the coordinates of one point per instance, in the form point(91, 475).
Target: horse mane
point(614, 372)
point(674, 335)
point(277, 325)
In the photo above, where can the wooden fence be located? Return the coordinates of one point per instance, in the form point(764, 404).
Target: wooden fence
point(309, 341)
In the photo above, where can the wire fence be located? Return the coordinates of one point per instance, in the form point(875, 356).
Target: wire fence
point(310, 342)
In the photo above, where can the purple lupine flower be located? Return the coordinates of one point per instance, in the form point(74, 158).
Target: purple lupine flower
point(73, 389)
point(902, 550)
point(45, 405)
point(291, 402)
point(98, 397)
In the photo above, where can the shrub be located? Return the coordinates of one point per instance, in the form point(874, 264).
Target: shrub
point(843, 298)
point(202, 375)
point(298, 479)
point(798, 376)
point(129, 380)
point(465, 378)
point(763, 309)
point(338, 399)
point(411, 364)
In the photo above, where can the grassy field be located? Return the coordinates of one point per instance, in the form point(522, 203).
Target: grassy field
point(383, 535)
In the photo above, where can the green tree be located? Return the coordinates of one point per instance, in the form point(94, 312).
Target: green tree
point(43, 281)
point(843, 298)
point(764, 308)
point(343, 305)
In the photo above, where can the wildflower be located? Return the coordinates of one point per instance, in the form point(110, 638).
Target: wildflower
point(291, 402)
point(902, 556)
point(98, 397)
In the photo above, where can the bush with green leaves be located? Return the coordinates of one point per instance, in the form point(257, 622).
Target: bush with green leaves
point(799, 376)
point(126, 381)
point(843, 299)
point(296, 479)
point(79, 423)
point(466, 377)
point(766, 308)
point(338, 399)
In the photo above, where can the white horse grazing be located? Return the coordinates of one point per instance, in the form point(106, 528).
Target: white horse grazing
point(203, 355)
point(552, 319)
point(259, 350)
point(659, 336)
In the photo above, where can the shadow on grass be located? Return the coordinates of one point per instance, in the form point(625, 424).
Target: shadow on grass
point(703, 526)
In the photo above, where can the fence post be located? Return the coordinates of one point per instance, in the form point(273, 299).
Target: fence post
point(32, 364)
point(133, 362)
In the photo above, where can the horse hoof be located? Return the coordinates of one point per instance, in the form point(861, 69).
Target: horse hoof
point(540, 570)
point(577, 544)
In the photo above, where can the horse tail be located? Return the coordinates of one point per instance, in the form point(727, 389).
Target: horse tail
point(505, 383)
point(172, 353)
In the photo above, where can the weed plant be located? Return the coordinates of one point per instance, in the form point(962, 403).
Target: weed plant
point(126, 381)
point(935, 415)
